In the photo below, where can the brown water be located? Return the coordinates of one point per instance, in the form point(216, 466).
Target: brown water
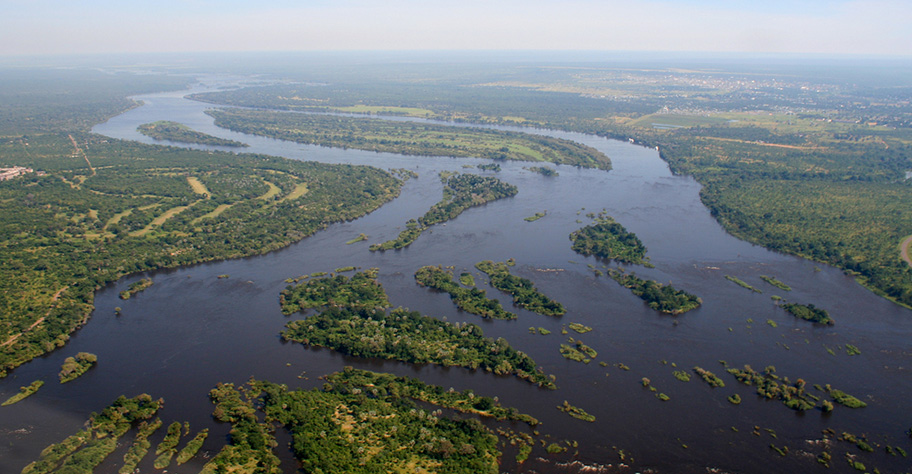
point(191, 330)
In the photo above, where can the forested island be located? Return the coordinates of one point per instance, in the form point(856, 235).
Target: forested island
point(525, 295)
point(662, 298)
point(460, 192)
point(178, 132)
point(609, 240)
point(408, 138)
point(361, 291)
point(471, 300)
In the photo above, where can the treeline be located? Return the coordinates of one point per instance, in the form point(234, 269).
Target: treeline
point(178, 132)
point(408, 138)
point(67, 233)
point(525, 295)
point(471, 300)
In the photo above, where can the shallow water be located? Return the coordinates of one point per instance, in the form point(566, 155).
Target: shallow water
point(191, 330)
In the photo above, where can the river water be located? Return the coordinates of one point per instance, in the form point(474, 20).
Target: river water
point(191, 330)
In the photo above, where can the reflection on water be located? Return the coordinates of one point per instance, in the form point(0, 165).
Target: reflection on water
point(191, 330)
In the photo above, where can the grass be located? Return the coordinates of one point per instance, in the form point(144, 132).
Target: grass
point(299, 190)
point(197, 185)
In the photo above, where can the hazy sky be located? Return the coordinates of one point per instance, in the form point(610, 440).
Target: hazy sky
point(882, 27)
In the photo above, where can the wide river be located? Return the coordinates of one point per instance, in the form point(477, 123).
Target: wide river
point(191, 330)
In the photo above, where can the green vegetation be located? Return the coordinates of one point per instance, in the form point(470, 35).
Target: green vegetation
point(345, 269)
point(171, 438)
point(709, 377)
point(536, 216)
point(73, 367)
point(576, 412)
point(135, 288)
point(193, 446)
point(250, 442)
point(578, 351)
point(83, 451)
point(775, 282)
point(844, 399)
point(662, 298)
point(24, 392)
point(852, 350)
point(543, 170)
point(525, 295)
point(580, 328)
point(466, 279)
point(609, 240)
point(460, 192)
point(663, 397)
point(140, 446)
point(793, 395)
point(808, 313)
point(734, 399)
point(79, 227)
point(360, 291)
point(471, 300)
point(408, 138)
point(360, 238)
point(681, 375)
point(742, 284)
point(489, 167)
point(178, 132)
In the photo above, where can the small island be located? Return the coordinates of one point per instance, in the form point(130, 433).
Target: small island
point(470, 300)
point(525, 295)
point(662, 298)
point(178, 132)
point(609, 240)
point(24, 392)
point(360, 291)
point(73, 367)
point(809, 312)
point(135, 288)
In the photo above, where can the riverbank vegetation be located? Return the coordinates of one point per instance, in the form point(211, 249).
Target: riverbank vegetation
point(83, 451)
point(135, 288)
point(361, 291)
point(24, 392)
point(73, 367)
point(460, 192)
point(662, 298)
point(608, 239)
point(525, 295)
point(471, 300)
point(178, 132)
point(408, 138)
point(106, 208)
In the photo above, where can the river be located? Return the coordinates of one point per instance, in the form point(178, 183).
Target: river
point(191, 330)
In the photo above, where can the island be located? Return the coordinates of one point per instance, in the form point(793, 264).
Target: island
point(178, 132)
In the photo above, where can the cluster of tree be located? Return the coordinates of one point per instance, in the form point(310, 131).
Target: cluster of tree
point(135, 288)
point(709, 377)
point(609, 240)
point(525, 295)
point(361, 291)
point(251, 442)
point(460, 192)
point(408, 138)
point(662, 298)
point(168, 446)
point(178, 132)
point(410, 337)
point(140, 446)
point(71, 231)
point(73, 367)
point(83, 451)
point(576, 412)
point(472, 300)
point(809, 312)
point(24, 392)
point(793, 395)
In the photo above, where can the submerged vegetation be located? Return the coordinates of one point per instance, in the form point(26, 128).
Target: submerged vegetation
point(178, 132)
point(662, 298)
point(609, 240)
point(471, 300)
point(460, 192)
point(525, 295)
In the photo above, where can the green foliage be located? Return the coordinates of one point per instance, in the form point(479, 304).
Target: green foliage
point(135, 288)
point(24, 392)
point(361, 237)
point(466, 279)
point(845, 399)
point(525, 295)
point(362, 290)
point(852, 350)
point(251, 443)
point(178, 132)
point(76, 228)
point(662, 298)
point(578, 351)
point(775, 282)
point(576, 412)
point(580, 328)
point(460, 192)
point(734, 399)
point(609, 240)
point(140, 446)
point(809, 313)
point(543, 170)
point(536, 216)
point(73, 367)
point(171, 438)
point(682, 375)
point(408, 138)
point(742, 284)
point(471, 300)
point(489, 167)
point(193, 446)
point(411, 337)
point(771, 386)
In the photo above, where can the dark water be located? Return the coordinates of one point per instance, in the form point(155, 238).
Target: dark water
point(191, 330)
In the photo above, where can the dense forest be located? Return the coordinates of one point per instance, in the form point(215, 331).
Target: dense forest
point(662, 298)
point(609, 240)
point(98, 209)
point(361, 291)
point(471, 300)
point(178, 132)
point(525, 295)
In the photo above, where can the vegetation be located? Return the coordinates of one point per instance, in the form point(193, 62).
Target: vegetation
point(536, 216)
point(83, 451)
point(408, 138)
point(489, 167)
point(775, 282)
point(171, 438)
point(543, 170)
point(580, 328)
point(576, 412)
point(361, 291)
point(460, 192)
point(662, 298)
point(251, 443)
point(361, 237)
point(681, 375)
point(793, 395)
point(135, 288)
point(578, 351)
point(609, 240)
point(178, 132)
point(466, 279)
point(140, 446)
point(742, 284)
point(79, 227)
point(73, 367)
point(808, 313)
point(411, 337)
point(471, 300)
point(193, 446)
point(845, 399)
point(24, 392)
point(525, 295)
point(734, 399)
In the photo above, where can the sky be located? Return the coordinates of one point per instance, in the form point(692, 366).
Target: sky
point(829, 27)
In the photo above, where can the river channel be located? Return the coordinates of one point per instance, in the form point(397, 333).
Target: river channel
point(191, 330)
